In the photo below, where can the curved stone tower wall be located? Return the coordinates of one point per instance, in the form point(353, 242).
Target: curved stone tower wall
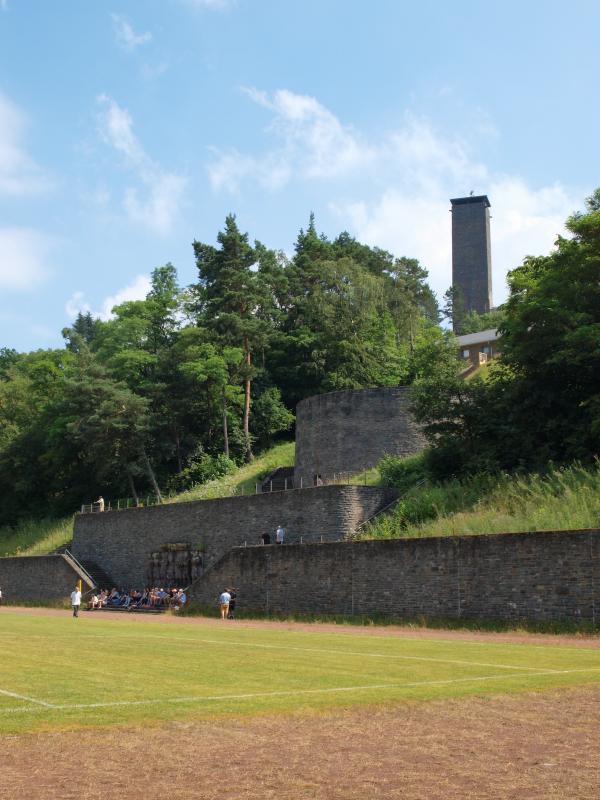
point(351, 431)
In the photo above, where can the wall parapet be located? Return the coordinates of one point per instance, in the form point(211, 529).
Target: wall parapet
point(541, 576)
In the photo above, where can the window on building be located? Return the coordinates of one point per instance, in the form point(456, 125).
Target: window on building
point(466, 353)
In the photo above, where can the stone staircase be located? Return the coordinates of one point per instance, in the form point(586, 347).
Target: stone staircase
point(102, 579)
point(277, 481)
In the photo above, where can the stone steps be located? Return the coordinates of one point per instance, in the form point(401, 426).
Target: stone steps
point(279, 480)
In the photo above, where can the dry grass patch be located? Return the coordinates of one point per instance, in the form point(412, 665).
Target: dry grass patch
point(536, 746)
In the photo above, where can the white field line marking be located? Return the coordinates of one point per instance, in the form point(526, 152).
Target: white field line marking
point(287, 693)
point(389, 657)
point(327, 651)
point(25, 697)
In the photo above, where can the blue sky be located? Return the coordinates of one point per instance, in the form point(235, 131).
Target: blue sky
point(129, 129)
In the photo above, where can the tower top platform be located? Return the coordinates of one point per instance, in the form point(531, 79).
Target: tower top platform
point(461, 201)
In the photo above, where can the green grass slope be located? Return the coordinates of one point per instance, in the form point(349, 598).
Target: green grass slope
point(35, 537)
point(244, 479)
point(91, 674)
point(561, 499)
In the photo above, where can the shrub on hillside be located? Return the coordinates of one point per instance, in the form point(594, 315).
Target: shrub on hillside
point(402, 473)
point(202, 468)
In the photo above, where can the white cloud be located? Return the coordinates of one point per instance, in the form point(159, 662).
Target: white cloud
point(126, 37)
point(23, 259)
point(3, 5)
point(75, 304)
point(393, 191)
point(162, 191)
point(137, 290)
point(19, 174)
point(116, 127)
point(313, 143)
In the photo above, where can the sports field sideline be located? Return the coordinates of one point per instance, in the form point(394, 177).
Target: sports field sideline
point(58, 673)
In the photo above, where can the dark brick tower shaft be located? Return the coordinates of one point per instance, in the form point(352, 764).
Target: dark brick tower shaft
point(471, 253)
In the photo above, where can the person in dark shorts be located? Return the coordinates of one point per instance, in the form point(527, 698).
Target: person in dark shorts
point(232, 602)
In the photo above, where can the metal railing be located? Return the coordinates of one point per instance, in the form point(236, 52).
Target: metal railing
point(121, 504)
point(387, 507)
point(80, 568)
point(316, 538)
point(356, 478)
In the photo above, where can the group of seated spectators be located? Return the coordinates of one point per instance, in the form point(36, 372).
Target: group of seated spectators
point(155, 597)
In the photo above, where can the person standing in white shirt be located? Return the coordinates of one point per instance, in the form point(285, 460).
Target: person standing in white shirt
point(76, 601)
point(224, 599)
point(280, 534)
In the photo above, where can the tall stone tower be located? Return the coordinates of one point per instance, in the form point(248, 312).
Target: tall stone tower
point(471, 253)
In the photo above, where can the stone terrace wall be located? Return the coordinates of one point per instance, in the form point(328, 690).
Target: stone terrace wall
point(121, 541)
point(35, 578)
point(348, 431)
point(536, 576)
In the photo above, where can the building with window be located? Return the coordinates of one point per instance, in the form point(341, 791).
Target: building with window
point(478, 348)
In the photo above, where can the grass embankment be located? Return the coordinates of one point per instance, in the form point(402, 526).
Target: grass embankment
point(274, 671)
point(244, 479)
point(40, 537)
point(561, 499)
point(35, 537)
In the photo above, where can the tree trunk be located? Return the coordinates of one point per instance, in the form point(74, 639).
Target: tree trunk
point(225, 429)
point(178, 449)
point(246, 423)
point(132, 486)
point(151, 475)
point(209, 415)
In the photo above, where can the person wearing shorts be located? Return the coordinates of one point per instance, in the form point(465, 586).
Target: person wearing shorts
point(224, 599)
point(75, 601)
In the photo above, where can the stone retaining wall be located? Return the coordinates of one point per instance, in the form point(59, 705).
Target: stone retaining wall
point(37, 578)
point(121, 541)
point(535, 576)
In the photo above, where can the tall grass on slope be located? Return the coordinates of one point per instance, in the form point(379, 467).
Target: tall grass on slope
point(561, 499)
point(35, 537)
point(243, 480)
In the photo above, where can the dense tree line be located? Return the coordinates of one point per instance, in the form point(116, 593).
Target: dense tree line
point(540, 402)
point(177, 387)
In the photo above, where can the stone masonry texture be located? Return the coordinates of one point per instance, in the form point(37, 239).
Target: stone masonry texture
point(471, 252)
point(120, 542)
point(350, 431)
point(37, 578)
point(544, 576)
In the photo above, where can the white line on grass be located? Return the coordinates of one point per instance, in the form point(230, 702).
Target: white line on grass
point(25, 697)
point(386, 656)
point(294, 692)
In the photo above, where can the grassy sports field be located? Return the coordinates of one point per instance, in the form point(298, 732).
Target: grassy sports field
point(58, 673)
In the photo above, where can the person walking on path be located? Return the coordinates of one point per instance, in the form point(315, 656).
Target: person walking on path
point(224, 600)
point(76, 601)
point(100, 504)
point(280, 534)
